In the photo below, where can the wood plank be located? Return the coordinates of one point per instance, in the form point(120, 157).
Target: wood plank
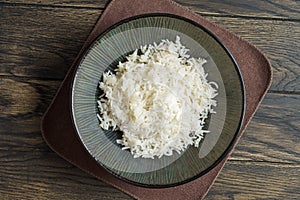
point(256, 181)
point(261, 9)
point(42, 42)
point(273, 134)
point(22, 104)
point(287, 9)
point(268, 138)
point(26, 174)
point(25, 52)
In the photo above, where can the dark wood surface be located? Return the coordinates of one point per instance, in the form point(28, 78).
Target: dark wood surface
point(39, 39)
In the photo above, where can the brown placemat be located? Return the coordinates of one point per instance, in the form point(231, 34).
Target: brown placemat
point(60, 135)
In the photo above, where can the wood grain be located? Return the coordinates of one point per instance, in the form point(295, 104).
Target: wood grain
point(273, 134)
point(256, 181)
point(48, 47)
point(287, 9)
point(45, 48)
point(260, 9)
point(24, 174)
point(22, 103)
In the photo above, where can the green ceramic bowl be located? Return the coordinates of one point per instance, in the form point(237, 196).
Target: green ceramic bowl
point(111, 47)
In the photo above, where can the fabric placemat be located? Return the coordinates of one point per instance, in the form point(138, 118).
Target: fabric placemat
point(59, 132)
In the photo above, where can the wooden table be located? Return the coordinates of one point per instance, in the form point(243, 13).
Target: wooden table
point(39, 39)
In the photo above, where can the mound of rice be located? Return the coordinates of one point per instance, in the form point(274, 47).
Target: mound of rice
point(159, 98)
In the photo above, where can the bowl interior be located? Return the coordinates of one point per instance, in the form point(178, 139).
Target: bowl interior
point(113, 46)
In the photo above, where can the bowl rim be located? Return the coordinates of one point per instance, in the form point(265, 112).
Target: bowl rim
point(239, 74)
